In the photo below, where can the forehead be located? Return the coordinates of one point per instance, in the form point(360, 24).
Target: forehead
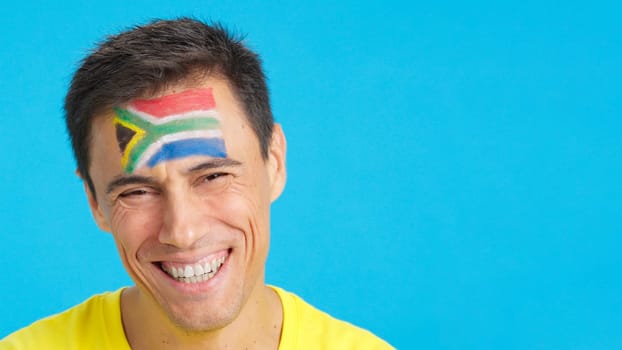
point(179, 125)
point(221, 113)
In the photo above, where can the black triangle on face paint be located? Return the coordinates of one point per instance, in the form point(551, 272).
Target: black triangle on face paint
point(124, 136)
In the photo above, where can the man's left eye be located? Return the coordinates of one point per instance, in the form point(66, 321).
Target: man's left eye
point(213, 182)
point(214, 176)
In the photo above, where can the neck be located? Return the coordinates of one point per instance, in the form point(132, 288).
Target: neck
point(147, 326)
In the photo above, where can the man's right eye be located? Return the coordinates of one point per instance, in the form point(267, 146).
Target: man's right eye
point(138, 192)
point(141, 196)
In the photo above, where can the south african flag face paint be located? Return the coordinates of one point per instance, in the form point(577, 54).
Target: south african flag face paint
point(170, 127)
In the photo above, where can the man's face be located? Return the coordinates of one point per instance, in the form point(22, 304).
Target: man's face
point(191, 224)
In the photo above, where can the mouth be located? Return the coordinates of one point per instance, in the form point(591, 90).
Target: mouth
point(196, 272)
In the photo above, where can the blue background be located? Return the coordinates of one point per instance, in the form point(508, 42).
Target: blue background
point(454, 169)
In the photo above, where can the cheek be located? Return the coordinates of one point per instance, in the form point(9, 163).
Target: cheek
point(132, 227)
point(245, 208)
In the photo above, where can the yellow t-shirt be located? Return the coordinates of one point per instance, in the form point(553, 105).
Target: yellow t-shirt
point(305, 327)
point(96, 324)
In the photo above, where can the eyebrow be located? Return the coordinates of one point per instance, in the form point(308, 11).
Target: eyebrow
point(215, 163)
point(122, 180)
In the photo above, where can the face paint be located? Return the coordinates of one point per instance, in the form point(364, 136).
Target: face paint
point(170, 127)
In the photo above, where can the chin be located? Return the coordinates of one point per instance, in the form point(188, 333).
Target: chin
point(203, 318)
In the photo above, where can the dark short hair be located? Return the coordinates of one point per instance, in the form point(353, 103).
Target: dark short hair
point(147, 59)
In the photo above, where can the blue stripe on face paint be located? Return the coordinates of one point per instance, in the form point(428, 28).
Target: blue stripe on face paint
point(212, 147)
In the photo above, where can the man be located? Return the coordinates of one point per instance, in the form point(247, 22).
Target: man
point(180, 158)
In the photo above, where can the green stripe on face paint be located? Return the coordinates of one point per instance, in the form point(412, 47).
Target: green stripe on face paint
point(170, 127)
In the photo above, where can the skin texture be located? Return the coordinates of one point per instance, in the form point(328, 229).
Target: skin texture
point(189, 210)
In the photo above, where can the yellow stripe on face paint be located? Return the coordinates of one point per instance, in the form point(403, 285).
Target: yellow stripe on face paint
point(140, 133)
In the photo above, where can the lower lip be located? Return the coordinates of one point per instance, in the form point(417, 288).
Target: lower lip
point(198, 287)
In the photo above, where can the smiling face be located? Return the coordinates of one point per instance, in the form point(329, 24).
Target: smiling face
point(191, 224)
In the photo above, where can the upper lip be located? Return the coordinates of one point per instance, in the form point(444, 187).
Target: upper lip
point(187, 259)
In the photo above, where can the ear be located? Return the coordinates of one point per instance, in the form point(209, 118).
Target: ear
point(276, 160)
point(96, 211)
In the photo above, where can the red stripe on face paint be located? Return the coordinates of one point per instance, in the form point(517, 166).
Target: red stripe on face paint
point(186, 101)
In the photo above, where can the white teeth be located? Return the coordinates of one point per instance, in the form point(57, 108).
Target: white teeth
point(196, 273)
point(188, 271)
point(207, 267)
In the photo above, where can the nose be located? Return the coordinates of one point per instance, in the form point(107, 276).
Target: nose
point(181, 221)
